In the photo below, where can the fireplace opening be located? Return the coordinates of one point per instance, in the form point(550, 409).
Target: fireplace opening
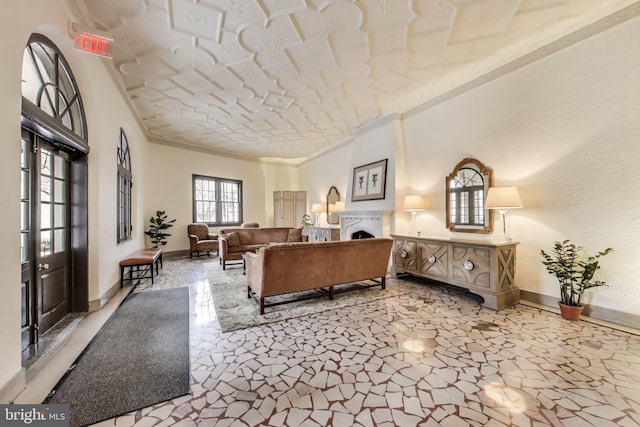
point(361, 235)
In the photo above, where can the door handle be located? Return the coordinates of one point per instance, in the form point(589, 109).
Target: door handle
point(43, 267)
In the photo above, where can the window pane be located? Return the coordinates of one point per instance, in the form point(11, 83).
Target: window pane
point(45, 243)
point(59, 191)
point(24, 216)
point(60, 167)
point(45, 215)
point(45, 189)
point(59, 241)
point(24, 188)
point(59, 216)
point(24, 247)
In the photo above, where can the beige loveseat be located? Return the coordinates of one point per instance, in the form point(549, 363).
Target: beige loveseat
point(291, 267)
point(233, 242)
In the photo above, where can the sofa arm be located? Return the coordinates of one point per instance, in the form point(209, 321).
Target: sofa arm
point(254, 264)
point(223, 246)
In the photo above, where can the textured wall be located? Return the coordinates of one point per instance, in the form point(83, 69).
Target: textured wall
point(565, 131)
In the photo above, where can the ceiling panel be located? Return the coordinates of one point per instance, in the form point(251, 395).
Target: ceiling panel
point(287, 79)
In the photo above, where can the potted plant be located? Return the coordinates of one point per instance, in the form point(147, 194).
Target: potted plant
point(158, 227)
point(574, 273)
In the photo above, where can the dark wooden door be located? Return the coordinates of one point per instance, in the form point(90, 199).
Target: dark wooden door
point(46, 257)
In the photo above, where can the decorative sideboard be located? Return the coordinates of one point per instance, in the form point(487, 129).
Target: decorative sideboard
point(321, 234)
point(484, 268)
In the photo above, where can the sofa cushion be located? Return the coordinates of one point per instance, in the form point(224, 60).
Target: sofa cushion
point(295, 235)
point(232, 239)
point(245, 248)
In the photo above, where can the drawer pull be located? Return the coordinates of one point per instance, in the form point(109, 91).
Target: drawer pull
point(431, 259)
point(468, 265)
point(404, 253)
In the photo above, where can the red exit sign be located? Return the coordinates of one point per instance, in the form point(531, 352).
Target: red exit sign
point(92, 43)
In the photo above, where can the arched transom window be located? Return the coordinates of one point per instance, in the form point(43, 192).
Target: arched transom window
point(48, 84)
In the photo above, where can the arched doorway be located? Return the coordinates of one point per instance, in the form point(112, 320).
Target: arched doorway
point(53, 191)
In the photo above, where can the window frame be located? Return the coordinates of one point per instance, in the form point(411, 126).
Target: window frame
point(218, 181)
point(124, 186)
point(486, 173)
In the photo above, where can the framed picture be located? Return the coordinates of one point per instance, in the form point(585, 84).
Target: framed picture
point(369, 181)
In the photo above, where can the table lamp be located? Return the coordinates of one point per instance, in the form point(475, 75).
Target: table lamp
point(413, 203)
point(502, 199)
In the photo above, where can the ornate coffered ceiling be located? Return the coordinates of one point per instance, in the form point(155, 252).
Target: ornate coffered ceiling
point(288, 79)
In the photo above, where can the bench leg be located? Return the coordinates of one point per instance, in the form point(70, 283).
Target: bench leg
point(383, 282)
point(261, 305)
point(331, 294)
point(121, 276)
point(151, 267)
point(248, 291)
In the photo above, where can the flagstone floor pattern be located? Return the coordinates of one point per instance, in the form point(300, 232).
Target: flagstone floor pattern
point(432, 358)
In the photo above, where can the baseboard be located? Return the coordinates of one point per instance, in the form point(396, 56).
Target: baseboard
point(593, 311)
point(97, 304)
point(13, 387)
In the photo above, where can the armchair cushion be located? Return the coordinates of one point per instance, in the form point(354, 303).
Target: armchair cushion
point(200, 240)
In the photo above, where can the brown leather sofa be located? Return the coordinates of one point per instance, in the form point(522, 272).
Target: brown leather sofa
point(291, 267)
point(200, 240)
point(233, 242)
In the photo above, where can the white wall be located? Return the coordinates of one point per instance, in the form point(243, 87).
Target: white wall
point(565, 131)
point(169, 183)
point(319, 174)
point(371, 144)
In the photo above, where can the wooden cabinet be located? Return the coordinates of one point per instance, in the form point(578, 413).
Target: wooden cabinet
point(484, 268)
point(321, 234)
point(288, 208)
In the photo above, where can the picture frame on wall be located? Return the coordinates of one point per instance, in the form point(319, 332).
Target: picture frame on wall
point(369, 181)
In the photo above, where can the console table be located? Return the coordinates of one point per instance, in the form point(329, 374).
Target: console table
point(484, 268)
point(321, 234)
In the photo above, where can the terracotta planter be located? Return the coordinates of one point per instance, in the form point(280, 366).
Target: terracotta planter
point(570, 312)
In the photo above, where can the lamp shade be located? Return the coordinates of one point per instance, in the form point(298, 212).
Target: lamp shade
point(502, 198)
point(317, 208)
point(413, 203)
point(340, 206)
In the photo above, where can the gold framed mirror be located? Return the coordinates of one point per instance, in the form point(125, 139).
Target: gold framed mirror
point(333, 196)
point(466, 189)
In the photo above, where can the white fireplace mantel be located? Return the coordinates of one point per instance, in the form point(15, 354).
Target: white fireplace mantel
point(376, 223)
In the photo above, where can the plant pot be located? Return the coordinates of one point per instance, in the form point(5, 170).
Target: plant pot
point(570, 312)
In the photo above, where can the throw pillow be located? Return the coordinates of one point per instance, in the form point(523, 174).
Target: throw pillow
point(295, 235)
point(232, 239)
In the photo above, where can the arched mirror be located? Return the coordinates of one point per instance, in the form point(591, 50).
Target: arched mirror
point(333, 196)
point(466, 189)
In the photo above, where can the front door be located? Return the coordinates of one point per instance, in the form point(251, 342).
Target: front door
point(46, 289)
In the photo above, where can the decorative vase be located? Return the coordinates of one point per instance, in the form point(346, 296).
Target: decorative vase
point(570, 312)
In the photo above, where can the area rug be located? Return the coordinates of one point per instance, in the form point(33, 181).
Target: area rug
point(235, 311)
point(139, 358)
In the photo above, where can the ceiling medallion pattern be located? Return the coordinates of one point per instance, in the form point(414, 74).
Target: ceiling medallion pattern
point(288, 79)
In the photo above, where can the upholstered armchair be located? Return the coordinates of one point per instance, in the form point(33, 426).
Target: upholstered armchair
point(200, 240)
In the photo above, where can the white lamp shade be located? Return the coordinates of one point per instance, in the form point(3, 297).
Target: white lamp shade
point(413, 202)
point(502, 198)
point(317, 208)
point(340, 206)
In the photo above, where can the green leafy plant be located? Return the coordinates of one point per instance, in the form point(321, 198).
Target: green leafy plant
point(574, 271)
point(157, 229)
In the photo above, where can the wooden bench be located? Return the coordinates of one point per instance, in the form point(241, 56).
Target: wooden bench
point(142, 257)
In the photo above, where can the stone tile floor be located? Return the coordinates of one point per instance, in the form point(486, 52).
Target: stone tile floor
point(432, 358)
